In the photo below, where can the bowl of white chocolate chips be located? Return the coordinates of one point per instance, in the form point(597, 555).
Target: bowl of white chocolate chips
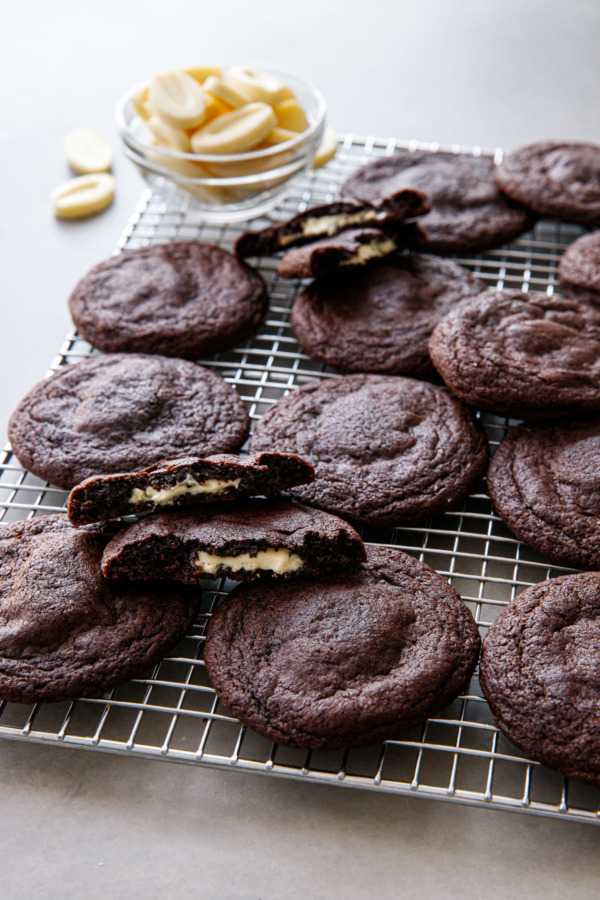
point(228, 141)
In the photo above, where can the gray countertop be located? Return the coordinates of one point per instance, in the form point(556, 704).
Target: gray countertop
point(80, 824)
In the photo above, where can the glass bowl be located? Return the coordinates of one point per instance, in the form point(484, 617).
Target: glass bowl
point(225, 188)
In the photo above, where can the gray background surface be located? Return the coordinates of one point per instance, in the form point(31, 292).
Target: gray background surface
point(76, 824)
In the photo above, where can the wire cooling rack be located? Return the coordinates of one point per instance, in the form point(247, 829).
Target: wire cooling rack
point(173, 712)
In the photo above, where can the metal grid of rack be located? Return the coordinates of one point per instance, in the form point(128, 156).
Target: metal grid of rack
point(173, 713)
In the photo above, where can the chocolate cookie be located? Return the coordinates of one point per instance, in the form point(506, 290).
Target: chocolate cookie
point(339, 663)
point(355, 247)
point(122, 412)
point(65, 631)
point(468, 211)
point(182, 299)
point(579, 268)
point(540, 670)
point(545, 484)
point(386, 451)
point(555, 178)
point(522, 355)
point(185, 482)
point(380, 319)
point(256, 539)
point(388, 211)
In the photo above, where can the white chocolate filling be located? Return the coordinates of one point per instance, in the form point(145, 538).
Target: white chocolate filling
point(189, 486)
point(330, 225)
point(370, 251)
point(279, 561)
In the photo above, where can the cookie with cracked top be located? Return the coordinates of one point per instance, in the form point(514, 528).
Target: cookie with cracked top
point(355, 247)
point(579, 268)
point(545, 485)
point(122, 412)
point(539, 672)
point(380, 319)
point(339, 663)
point(555, 178)
point(256, 539)
point(182, 299)
point(185, 482)
point(468, 210)
point(328, 219)
point(386, 450)
point(65, 631)
point(530, 356)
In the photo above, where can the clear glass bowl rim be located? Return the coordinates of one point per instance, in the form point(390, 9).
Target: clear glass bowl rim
point(252, 155)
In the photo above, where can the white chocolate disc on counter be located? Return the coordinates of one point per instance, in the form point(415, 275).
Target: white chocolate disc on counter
point(83, 196)
point(87, 152)
point(255, 85)
point(237, 131)
point(178, 99)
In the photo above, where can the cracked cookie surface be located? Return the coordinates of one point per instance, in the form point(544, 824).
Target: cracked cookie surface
point(386, 450)
point(121, 412)
point(468, 210)
point(65, 631)
point(380, 319)
point(338, 663)
point(540, 673)
point(545, 485)
point(183, 299)
point(522, 355)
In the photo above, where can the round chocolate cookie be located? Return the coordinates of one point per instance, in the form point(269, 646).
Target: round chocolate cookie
point(468, 211)
point(545, 484)
point(555, 178)
point(380, 319)
point(522, 355)
point(540, 673)
point(579, 268)
point(386, 450)
point(65, 631)
point(343, 662)
point(182, 299)
point(122, 412)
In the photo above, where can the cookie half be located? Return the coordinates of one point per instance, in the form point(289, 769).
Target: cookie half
point(185, 482)
point(317, 222)
point(342, 662)
point(539, 672)
point(65, 631)
point(386, 450)
point(380, 319)
point(271, 539)
point(555, 178)
point(545, 485)
point(468, 210)
point(522, 355)
point(182, 299)
point(123, 412)
point(356, 247)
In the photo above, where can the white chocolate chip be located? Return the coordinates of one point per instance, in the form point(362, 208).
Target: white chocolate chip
point(178, 99)
point(167, 136)
point(224, 92)
point(235, 132)
point(291, 116)
point(255, 85)
point(83, 196)
point(87, 152)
